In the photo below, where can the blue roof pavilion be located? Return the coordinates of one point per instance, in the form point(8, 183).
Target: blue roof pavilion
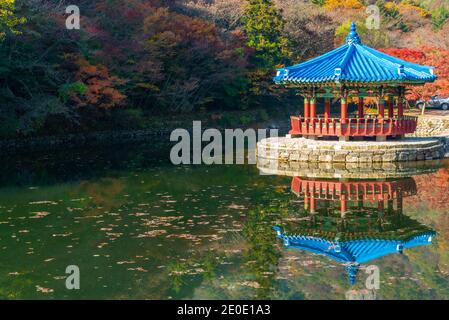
point(355, 62)
point(353, 72)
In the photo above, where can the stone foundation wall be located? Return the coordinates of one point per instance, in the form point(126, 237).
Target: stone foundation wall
point(305, 150)
point(432, 127)
point(335, 170)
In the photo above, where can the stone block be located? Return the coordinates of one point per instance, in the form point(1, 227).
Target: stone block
point(389, 156)
point(403, 156)
point(352, 157)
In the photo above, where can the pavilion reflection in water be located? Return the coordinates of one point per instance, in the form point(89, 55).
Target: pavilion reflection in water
point(354, 222)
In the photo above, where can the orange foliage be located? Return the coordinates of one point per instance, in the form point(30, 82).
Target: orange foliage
point(433, 190)
point(101, 89)
point(343, 4)
point(405, 7)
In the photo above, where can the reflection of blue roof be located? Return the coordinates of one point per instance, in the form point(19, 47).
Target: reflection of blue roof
point(355, 62)
point(353, 252)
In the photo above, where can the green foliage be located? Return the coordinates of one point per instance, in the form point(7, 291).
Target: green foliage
point(319, 2)
point(262, 255)
point(264, 27)
point(263, 115)
point(128, 118)
point(392, 14)
point(34, 114)
point(229, 120)
point(440, 17)
point(67, 90)
point(375, 38)
point(9, 21)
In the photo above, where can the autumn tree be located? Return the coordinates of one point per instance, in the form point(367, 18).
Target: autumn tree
point(9, 21)
point(304, 24)
point(264, 30)
point(94, 86)
point(426, 56)
point(342, 4)
point(198, 68)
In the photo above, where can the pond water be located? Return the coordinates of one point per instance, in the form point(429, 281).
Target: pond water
point(140, 228)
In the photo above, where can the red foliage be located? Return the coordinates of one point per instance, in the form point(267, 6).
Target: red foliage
point(432, 190)
point(101, 89)
point(434, 57)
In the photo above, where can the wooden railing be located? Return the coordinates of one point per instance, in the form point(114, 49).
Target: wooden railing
point(353, 190)
point(353, 127)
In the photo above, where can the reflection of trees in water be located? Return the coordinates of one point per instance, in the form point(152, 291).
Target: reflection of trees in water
point(262, 256)
point(185, 275)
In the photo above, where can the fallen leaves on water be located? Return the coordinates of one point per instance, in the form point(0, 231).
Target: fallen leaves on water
point(44, 202)
point(251, 284)
point(43, 290)
point(39, 215)
point(236, 207)
point(151, 234)
point(140, 269)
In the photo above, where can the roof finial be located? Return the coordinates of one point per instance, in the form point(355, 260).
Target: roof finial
point(352, 270)
point(353, 36)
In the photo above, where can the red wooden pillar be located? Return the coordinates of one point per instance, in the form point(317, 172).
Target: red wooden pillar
point(306, 108)
point(327, 108)
point(381, 108)
point(360, 108)
point(390, 107)
point(344, 110)
point(400, 107)
point(313, 108)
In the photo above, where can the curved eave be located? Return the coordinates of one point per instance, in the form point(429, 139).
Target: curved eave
point(355, 63)
point(358, 251)
point(288, 82)
point(330, 237)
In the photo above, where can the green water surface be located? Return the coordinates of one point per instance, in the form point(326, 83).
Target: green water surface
point(139, 227)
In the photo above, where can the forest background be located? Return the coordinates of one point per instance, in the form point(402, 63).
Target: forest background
point(138, 64)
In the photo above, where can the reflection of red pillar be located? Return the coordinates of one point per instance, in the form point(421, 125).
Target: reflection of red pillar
point(327, 108)
point(306, 108)
point(313, 108)
point(312, 203)
point(380, 205)
point(342, 203)
point(360, 108)
point(390, 108)
point(306, 200)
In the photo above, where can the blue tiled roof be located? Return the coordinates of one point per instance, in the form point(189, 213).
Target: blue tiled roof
point(355, 62)
point(354, 252)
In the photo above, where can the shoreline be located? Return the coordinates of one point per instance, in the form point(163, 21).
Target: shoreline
point(99, 139)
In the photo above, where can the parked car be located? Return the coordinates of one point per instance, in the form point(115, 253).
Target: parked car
point(435, 102)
